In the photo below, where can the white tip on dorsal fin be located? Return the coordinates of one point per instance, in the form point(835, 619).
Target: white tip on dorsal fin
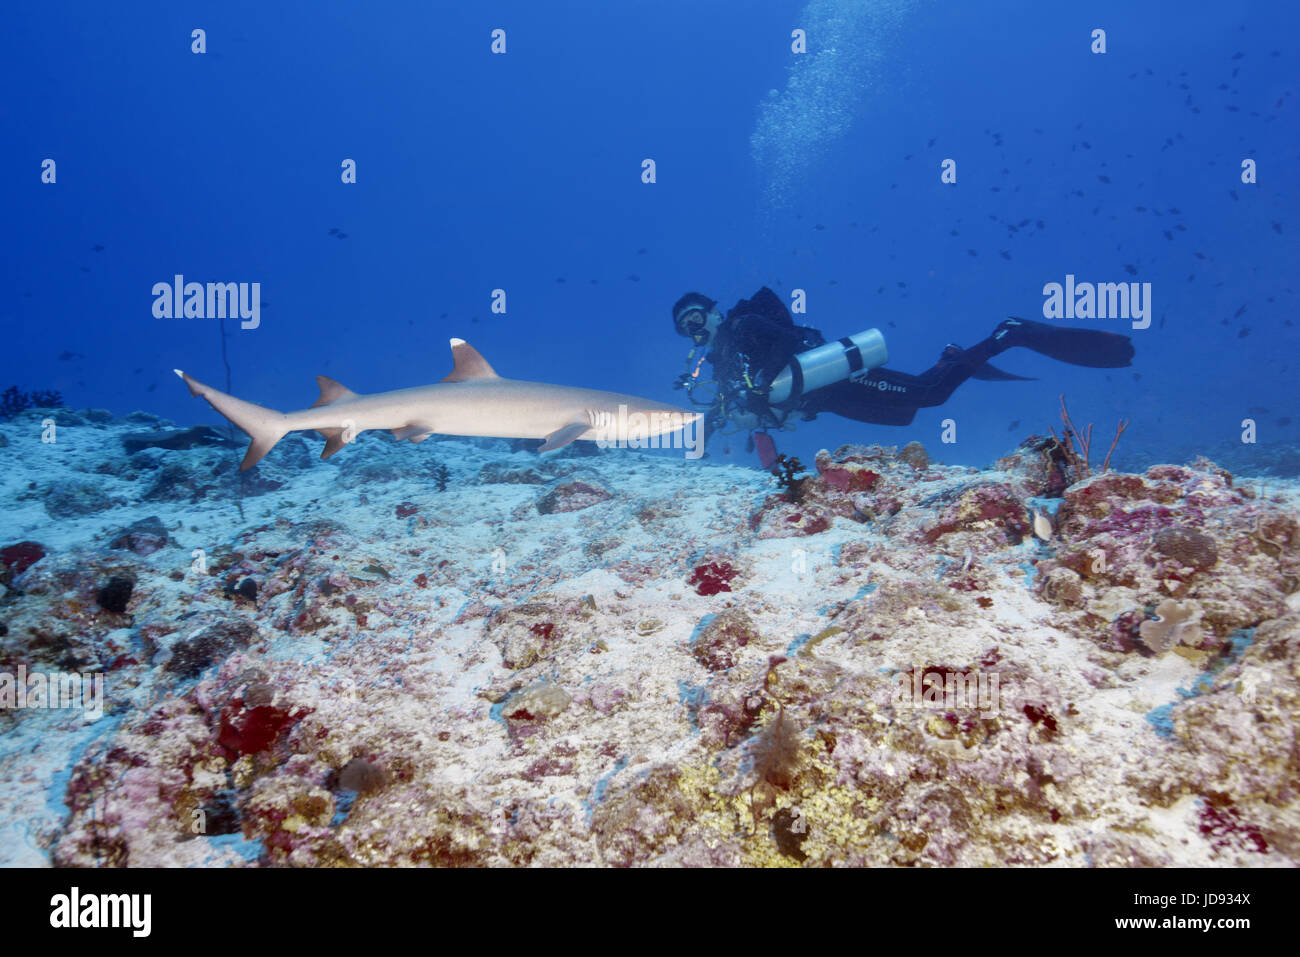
point(331, 391)
point(468, 363)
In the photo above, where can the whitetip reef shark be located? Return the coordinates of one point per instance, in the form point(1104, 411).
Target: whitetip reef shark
point(473, 400)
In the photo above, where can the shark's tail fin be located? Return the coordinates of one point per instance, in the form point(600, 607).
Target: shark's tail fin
point(264, 426)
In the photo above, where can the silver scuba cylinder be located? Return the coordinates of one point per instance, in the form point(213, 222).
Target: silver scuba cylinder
point(828, 364)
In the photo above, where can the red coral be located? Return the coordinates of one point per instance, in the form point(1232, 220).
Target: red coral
point(249, 730)
point(711, 578)
point(1223, 827)
point(850, 479)
point(407, 509)
point(21, 556)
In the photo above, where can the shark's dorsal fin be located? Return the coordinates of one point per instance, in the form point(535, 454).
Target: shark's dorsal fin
point(469, 364)
point(331, 391)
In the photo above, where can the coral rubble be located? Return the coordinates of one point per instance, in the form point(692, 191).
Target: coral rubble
point(625, 659)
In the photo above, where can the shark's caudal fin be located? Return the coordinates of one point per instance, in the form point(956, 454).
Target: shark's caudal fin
point(264, 426)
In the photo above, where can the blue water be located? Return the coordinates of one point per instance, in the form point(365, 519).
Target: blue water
point(478, 171)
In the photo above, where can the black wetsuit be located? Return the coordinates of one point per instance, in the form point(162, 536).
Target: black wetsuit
point(758, 338)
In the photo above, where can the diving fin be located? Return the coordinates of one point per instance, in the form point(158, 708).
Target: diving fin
point(1079, 347)
point(990, 373)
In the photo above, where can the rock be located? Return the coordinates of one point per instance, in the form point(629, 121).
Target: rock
point(72, 499)
point(989, 505)
point(526, 633)
point(719, 641)
point(914, 454)
point(572, 497)
point(175, 439)
point(192, 654)
point(17, 558)
point(1187, 546)
point(143, 537)
point(500, 473)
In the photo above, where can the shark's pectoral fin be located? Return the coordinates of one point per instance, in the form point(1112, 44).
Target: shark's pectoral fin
point(563, 436)
point(416, 432)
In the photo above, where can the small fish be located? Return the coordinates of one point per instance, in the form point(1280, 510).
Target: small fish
point(1042, 525)
point(1130, 269)
point(1005, 254)
point(65, 356)
point(1013, 426)
point(633, 277)
point(1285, 420)
point(1244, 333)
point(97, 248)
point(1239, 312)
point(1103, 179)
point(642, 251)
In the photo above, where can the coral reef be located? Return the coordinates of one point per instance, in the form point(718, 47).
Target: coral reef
point(13, 401)
point(627, 660)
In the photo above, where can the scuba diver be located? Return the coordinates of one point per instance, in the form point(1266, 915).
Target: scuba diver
point(767, 369)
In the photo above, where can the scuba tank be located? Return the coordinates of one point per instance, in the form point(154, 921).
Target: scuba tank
point(828, 364)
